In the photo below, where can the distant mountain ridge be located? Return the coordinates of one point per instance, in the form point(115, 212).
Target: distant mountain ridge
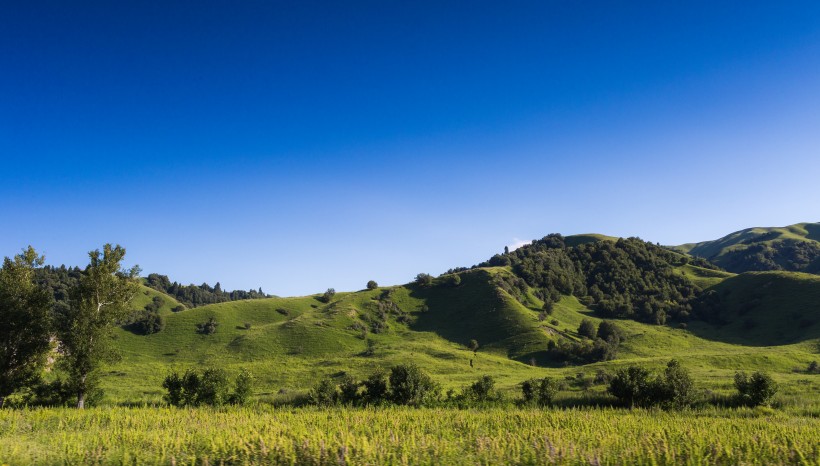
point(794, 248)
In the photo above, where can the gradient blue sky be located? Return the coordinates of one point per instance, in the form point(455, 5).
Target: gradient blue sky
point(303, 145)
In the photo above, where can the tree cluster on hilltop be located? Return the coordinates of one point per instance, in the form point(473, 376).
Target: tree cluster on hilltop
point(627, 278)
point(199, 295)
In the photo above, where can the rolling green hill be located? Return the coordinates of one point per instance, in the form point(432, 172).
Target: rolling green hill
point(290, 343)
point(794, 248)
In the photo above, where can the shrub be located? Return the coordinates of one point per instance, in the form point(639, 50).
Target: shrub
point(481, 390)
point(548, 308)
point(454, 280)
point(148, 323)
point(609, 332)
point(243, 388)
point(247, 325)
point(213, 387)
point(632, 386)
point(375, 388)
point(282, 311)
point(554, 322)
point(179, 308)
point(676, 388)
point(348, 390)
point(372, 285)
point(473, 345)
point(813, 368)
point(756, 390)
point(209, 327)
point(587, 329)
point(324, 393)
point(540, 392)
point(409, 385)
point(328, 295)
point(424, 279)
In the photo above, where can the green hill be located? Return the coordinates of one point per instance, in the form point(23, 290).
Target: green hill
point(794, 248)
point(290, 343)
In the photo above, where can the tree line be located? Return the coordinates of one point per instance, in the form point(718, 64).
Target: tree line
point(199, 295)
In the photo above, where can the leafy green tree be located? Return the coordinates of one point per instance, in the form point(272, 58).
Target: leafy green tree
point(632, 386)
point(424, 279)
point(96, 304)
point(409, 385)
point(24, 323)
point(324, 393)
point(208, 327)
point(372, 285)
point(540, 392)
point(213, 387)
point(328, 295)
point(676, 388)
point(756, 390)
point(375, 388)
point(481, 390)
point(610, 332)
point(548, 308)
point(587, 329)
point(348, 390)
point(454, 280)
point(243, 388)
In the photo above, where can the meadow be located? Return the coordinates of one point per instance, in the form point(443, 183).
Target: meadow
point(267, 435)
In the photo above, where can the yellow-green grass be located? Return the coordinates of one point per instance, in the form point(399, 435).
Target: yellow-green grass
point(743, 238)
point(264, 435)
point(290, 351)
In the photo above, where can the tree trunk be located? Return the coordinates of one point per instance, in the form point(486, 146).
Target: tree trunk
point(2, 402)
point(81, 399)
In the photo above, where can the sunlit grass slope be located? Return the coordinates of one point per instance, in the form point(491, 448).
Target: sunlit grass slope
point(290, 343)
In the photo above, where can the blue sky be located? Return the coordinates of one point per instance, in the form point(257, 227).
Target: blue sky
point(303, 145)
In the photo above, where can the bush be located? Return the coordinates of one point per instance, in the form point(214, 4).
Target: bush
point(328, 295)
point(540, 392)
point(424, 279)
point(587, 329)
point(409, 385)
point(481, 390)
point(247, 325)
point(207, 328)
point(210, 388)
point(147, 323)
point(608, 331)
point(243, 388)
point(756, 390)
point(548, 308)
point(372, 285)
point(324, 394)
point(632, 386)
point(375, 388)
point(179, 308)
point(348, 390)
point(635, 386)
point(473, 345)
point(813, 368)
point(454, 280)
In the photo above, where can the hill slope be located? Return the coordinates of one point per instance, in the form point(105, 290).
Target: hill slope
point(794, 248)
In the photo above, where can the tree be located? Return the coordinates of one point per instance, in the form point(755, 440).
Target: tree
point(208, 327)
point(548, 307)
point(631, 385)
point(409, 385)
point(24, 323)
point(372, 285)
point(213, 387)
point(328, 295)
point(756, 390)
point(676, 388)
point(348, 390)
point(375, 388)
point(609, 332)
point(96, 304)
point(481, 390)
point(424, 279)
point(454, 280)
point(587, 329)
point(243, 388)
point(539, 391)
point(324, 394)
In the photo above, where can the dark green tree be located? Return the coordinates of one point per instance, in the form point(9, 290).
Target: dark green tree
point(24, 323)
point(375, 388)
point(756, 390)
point(328, 295)
point(348, 390)
point(632, 386)
point(95, 305)
point(324, 393)
point(424, 279)
point(587, 329)
point(409, 385)
point(243, 388)
point(540, 392)
point(372, 285)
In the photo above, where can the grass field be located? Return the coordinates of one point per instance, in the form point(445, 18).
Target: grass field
point(406, 436)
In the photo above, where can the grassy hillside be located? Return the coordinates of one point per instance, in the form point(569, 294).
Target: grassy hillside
point(290, 343)
point(791, 248)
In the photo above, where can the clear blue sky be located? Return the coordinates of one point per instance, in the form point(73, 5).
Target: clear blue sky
point(305, 145)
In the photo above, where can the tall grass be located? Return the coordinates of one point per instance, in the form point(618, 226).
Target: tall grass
point(405, 436)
